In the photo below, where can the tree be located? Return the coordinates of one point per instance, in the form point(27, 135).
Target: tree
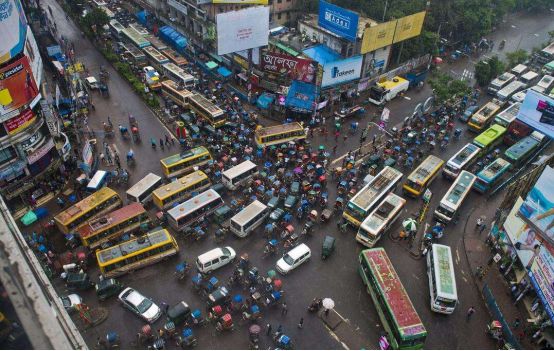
point(95, 19)
point(445, 87)
point(516, 57)
point(482, 73)
point(496, 66)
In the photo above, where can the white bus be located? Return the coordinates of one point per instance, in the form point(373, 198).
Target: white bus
point(178, 75)
point(508, 115)
point(454, 198)
point(249, 218)
point(202, 205)
point(142, 190)
point(365, 200)
point(442, 282)
point(544, 84)
point(380, 220)
point(239, 174)
point(461, 160)
point(506, 93)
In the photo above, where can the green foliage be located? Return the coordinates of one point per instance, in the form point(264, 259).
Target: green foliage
point(496, 66)
point(95, 19)
point(486, 70)
point(516, 57)
point(446, 87)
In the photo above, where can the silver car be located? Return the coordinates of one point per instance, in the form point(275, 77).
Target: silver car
point(140, 305)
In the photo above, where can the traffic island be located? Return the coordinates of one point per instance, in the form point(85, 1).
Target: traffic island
point(343, 331)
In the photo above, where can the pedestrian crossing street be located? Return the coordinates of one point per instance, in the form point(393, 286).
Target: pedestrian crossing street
point(467, 75)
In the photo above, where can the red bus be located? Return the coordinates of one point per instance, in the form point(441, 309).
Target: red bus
point(517, 130)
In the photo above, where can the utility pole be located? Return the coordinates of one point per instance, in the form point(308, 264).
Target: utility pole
point(385, 11)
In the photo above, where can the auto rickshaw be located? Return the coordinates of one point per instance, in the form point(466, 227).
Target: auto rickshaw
point(225, 323)
point(107, 287)
point(219, 296)
point(339, 203)
point(327, 247)
point(187, 339)
point(326, 214)
point(290, 201)
point(288, 231)
point(222, 214)
point(494, 329)
point(295, 187)
point(78, 281)
point(179, 313)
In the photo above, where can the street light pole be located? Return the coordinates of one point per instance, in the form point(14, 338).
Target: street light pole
point(385, 11)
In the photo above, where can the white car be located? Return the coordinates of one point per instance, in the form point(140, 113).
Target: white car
point(293, 258)
point(214, 259)
point(71, 301)
point(140, 305)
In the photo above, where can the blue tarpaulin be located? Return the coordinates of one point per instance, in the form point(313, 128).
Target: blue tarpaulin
point(322, 54)
point(301, 96)
point(224, 72)
point(173, 38)
point(264, 100)
point(142, 17)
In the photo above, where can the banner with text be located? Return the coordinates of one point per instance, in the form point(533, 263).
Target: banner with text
point(17, 85)
point(409, 26)
point(13, 27)
point(242, 30)
point(537, 110)
point(295, 68)
point(342, 71)
point(17, 124)
point(338, 20)
point(378, 36)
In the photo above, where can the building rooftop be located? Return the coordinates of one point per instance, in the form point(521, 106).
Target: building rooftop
point(312, 19)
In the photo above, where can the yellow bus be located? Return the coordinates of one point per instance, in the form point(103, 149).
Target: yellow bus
point(208, 111)
point(136, 253)
point(484, 116)
point(103, 201)
point(422, 176)
point(184, 162)
point(279, 134)
point(179, 96)
point(180, 190)
point(111, 226)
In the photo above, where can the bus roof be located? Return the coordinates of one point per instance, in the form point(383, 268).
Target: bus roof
point(390, 84)
point(168, 161)
point(156, 55)
point(246, 213)
point(238, 169)
point(508, 114)
point(491, 170)
point(93, 199)
point(171, 84)
point(168, 189)
point(117, 216)
point(206, 105)
point(460, 187)
point(143, 184)
point(178, 71)
point(124, 249)
point(135, 37)
point(489, 136)
point(487, 110)
point(157, 43)
point(133, 51)
point(425, 169)
point(444, 271)
point(397, 299)
point(116, 25)
point(521, 148)
point(464, 153)
point(194, 203)
point(386, 209)
point(174, 56)
point(367, 195)
point(281, 128)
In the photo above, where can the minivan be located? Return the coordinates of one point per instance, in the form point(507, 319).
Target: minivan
point(293, 258)
point(214, 259)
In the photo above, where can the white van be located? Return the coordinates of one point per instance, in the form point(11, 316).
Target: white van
point(293, 258)
point(214, 259)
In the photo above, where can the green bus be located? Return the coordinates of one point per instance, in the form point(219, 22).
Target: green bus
point(403, 325)
point(490, 138)
point(522, 150)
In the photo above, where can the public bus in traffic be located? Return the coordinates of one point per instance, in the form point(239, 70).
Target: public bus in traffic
point(442, 281)
point(249, 218)
point(182, 163)
point(520, 152)
point(238, 175)
point(380, 220)
point(200, 206)
point(156, 58)
point(366, 199)
point(491, 175)
point(179, 96)
point(181, 189)
point(207, 110)
point(178, 75)
point(133, 53)
point(174, 57)
point(103, 201)
point(454, 197)
point(463, 159)
point(141, 192)
point(422, 176)
point(401, 322)
point(490, 138)
point(136, 253)
point(508, 115)
point(516, 131)
point(279, 134)
point(484, 116)
point(112, 225)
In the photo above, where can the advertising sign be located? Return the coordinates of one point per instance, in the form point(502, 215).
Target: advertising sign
point(43, 150)
point(32, 53)
point(295, 68)
point(378, 36)
point(13, 27)
point(258, 2)
point(524, 239)
point(338, 20)
point(242, 30)
point(537, 110)
point(342, 71)
point(17, 124)
point(255, 55)
point(409, 26)
point(542, 277)
point(538, 208)
point(17, 85)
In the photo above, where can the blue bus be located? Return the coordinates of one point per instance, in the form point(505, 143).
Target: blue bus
point(491, 175)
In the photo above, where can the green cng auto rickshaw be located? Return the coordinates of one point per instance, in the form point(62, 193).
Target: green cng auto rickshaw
point(328, 247)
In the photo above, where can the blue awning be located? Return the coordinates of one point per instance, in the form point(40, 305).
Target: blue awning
point(224, 72)
point(142, 17)
point(322, 54)
point(301, 96)
point(264, 100)
point(173, 38)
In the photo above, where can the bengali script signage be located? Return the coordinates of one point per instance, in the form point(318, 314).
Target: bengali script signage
point(295, 68)
point(17, 124)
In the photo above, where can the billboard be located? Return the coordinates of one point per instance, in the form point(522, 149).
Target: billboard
point(524, 238)
point(378, 36)
point(17, 85)
point(542, 278)
point(17, 124)
point(409, 26)
point(257, 2)
point(13, 27)
point(295, 68)
point(241, 30)
point(341, 71)
point(537, 110)
point(338, 20)
point(32, 53)
point(538, 208)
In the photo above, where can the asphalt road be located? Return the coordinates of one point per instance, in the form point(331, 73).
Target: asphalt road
point(336, 277)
